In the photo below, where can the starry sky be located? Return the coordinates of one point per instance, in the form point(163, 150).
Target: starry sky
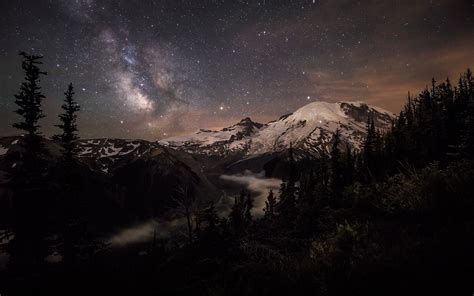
point(156, 68)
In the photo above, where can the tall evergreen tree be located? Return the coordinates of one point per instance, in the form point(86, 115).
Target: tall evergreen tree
point(68, 125)
point(269, 209)
point(73, 221)
point(286, 205)
point(237, 213)
point(349, 166)
point(210, 217)
point(185, 201)
point(29, 101)
point(467, 93)
point(372, 146)
point(30, 198)
point(337, 177)
point(248, 209)
point(369, 144)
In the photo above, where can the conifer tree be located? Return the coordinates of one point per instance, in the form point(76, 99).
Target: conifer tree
point(248, 208)
point(30, 198)
point(29, 101)
point(210, 217)
point(197, 227)
point(237, 213)
point(71, 234)
point(68, 125)
point(369, 149)
point(186, 204)
point(336, 169)
point(286, 205)
point(349, 166)
point(467, 87)
point(269, 209)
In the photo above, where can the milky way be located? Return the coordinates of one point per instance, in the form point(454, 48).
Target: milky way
point(152, 69)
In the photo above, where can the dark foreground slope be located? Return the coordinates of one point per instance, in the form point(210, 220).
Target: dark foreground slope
point(411, 234)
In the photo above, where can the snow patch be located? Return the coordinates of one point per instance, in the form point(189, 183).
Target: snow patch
point(3, 150)
point(88, 150)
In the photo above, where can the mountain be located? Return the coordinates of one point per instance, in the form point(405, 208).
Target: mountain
point(147, 171)
point(309, 130)
point(140, 178)
point(143, 176)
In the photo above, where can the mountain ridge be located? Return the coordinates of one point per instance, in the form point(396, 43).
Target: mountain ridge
point(242, 146)
point(309, 128)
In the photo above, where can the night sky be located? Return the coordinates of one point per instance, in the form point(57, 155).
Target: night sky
point(152, 69)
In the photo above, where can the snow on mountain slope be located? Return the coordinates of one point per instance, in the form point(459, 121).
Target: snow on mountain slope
point(101, 148)
point(104, 154)
point(231, 139)
point(310, 128)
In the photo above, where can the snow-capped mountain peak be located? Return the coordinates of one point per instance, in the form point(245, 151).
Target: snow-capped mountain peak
point(310, 128)
point(318, 112)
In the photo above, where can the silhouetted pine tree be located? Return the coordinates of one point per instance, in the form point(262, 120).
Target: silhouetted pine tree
point(286, 205)
point(248, 208)
point(467, 91)
point(69, 182)
point(29, 101)
point(269, 210)
point(237, 219)
point(207, 237)
point(307, 203)
point(337, 177)
point(224, 225)
point(322, 177)
point(197, 227)
point(210, 217)
point(349, 166)
point(368, 152)
point(185, 200)
point(30, 198)
point(68, 125)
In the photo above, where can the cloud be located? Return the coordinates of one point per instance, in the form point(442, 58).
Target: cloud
point(258, 184)
point(147, 231)
point(136, 234)
point(387, 83)
point(144, 232)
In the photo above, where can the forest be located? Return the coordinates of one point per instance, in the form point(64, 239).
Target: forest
point(395, 217)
